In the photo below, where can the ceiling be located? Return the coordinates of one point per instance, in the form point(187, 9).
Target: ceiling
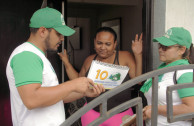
point(107, 2)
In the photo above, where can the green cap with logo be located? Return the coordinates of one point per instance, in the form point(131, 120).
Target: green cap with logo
point(175, 35)
point(50, 18)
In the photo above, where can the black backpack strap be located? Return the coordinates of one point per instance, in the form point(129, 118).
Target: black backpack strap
point(174, 77)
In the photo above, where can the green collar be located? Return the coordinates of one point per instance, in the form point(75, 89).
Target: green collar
point(146, 86)
point(36, 47)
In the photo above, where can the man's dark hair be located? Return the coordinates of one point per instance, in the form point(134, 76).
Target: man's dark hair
point(107, 29)
point(34, 30)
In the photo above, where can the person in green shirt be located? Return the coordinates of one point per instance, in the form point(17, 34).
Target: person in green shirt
point(173, 50)
point(37, 98)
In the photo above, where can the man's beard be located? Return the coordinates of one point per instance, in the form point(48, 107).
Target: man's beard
point(48, 44)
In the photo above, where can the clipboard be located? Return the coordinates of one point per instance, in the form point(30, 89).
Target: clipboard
point(109, 75)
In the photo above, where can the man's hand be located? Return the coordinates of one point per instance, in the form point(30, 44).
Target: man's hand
point(95, 90)
point(82, 87)
point(87, 87)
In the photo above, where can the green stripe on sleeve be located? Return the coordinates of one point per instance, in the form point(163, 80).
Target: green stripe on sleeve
point(27, 68)
point(186, 78)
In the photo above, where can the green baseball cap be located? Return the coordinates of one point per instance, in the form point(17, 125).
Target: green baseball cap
point(50, 18)
point(175, 35)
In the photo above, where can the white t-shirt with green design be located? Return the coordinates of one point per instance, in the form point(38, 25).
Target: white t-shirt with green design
point(27, 65)
point(183, 76)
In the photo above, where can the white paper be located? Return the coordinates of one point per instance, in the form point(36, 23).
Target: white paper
point(110, 75)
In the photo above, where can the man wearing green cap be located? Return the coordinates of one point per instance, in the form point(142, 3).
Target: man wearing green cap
point(173, 50)
point(36, 95)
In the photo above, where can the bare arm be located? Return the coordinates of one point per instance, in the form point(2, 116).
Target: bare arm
point(137, 50)
point(186, 107)
point(34, 96)
point(71, 72)
point(92, 92)
point(86, 66)
point(130, 62)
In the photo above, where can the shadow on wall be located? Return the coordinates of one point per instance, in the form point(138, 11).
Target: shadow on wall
point(5, 111)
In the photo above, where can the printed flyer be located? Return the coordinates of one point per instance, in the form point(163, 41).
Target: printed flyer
point(110, 75)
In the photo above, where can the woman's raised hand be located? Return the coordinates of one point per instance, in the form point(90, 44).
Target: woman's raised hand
point(137, 44)
point(64, 56)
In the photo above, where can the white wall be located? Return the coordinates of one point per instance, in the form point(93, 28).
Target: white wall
point(167, 14)
point(180, 13)
point(158, 28)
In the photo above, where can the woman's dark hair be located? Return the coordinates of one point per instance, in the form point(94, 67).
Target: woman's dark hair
point(107, 29)
point(188, 54)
